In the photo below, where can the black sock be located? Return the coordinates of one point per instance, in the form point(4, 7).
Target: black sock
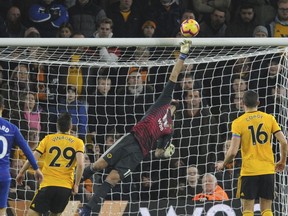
point(98, 197)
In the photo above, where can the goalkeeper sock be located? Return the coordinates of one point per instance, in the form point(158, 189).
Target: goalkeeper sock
point(247, 213)
point(98, 197)
point(267, 212)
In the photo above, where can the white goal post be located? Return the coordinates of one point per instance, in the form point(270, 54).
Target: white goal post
point(219, 70)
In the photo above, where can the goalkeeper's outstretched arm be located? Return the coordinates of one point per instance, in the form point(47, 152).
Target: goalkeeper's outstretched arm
point(184, 51)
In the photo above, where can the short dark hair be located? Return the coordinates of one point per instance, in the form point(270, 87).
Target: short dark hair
point(64, 122)
point(247, 6)
point(250, 99)
point(106, 21)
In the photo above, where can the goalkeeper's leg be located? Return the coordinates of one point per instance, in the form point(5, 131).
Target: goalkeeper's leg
point(94, 204)
point(100, 164)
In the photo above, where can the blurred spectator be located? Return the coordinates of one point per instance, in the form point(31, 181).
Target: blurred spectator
point(148, 29)
point(244, 24)
point(242, 67)
point(270, 75)
point(211, 190)
point(188, 185)
point(195, 133)
point(187, 14)
point(230, 113)
point(65, 31)
point(214, 26)
point(279, 27)
point(45, 79)
point(204, 8)
point(47, 16)
point(32, 32)
point(127, 18)
point(186, 81)
point(275, 103)
point(13, 21)
point(81, 54)
point(238, 84)
point(76, 108)
point(38, 76)
point(260, 31)
point(238, 76)
point(76, 74)
point(85, 16)
point(101, 111)
point(167, 17)
point(133, 100)
point(19, 83)
point(228, 178)
point(105, 30)
point(142, 54)
point(30, 115)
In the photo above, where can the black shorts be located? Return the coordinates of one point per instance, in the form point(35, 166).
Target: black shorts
point(124, 155)
point(51, 198)
point(254, 187)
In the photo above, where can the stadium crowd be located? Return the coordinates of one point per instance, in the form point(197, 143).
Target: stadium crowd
point(135, 18)
point(106, 102)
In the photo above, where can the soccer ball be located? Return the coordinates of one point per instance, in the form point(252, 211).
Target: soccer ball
point(189, 28)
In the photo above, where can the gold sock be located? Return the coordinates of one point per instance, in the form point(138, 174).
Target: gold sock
point(267, 212)
point(247, 213)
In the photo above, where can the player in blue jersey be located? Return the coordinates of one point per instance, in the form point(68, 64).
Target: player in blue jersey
point(153, 130)
point(10, 136)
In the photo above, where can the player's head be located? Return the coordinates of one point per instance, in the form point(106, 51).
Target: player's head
point(64, 122)
point(1, 103)
point(250, 99)
point(209, 183)
point(174, 104)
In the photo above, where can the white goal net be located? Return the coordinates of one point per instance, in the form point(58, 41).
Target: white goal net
point(107, 85)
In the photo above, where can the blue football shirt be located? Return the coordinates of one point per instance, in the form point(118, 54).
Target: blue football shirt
point(10, 136)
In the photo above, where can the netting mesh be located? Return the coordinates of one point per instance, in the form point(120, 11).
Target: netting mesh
point(108, 91)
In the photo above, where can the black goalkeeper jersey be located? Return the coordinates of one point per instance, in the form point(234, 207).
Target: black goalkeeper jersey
point(157, 122)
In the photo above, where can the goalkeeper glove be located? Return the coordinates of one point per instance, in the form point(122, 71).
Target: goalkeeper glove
point(88, 172)
point(184, 49)
point(169, 151)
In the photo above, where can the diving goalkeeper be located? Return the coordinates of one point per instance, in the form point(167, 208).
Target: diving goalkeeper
point(155, 128)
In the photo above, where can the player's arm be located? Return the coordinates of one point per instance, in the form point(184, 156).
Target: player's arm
point(164, 147)
point(19, 139)
point(79, 171)
point(38, 173)
point(231, 153)
point(184, 50)
point(280, 165)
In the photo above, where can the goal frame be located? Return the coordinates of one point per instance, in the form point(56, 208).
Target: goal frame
point(157, 42)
